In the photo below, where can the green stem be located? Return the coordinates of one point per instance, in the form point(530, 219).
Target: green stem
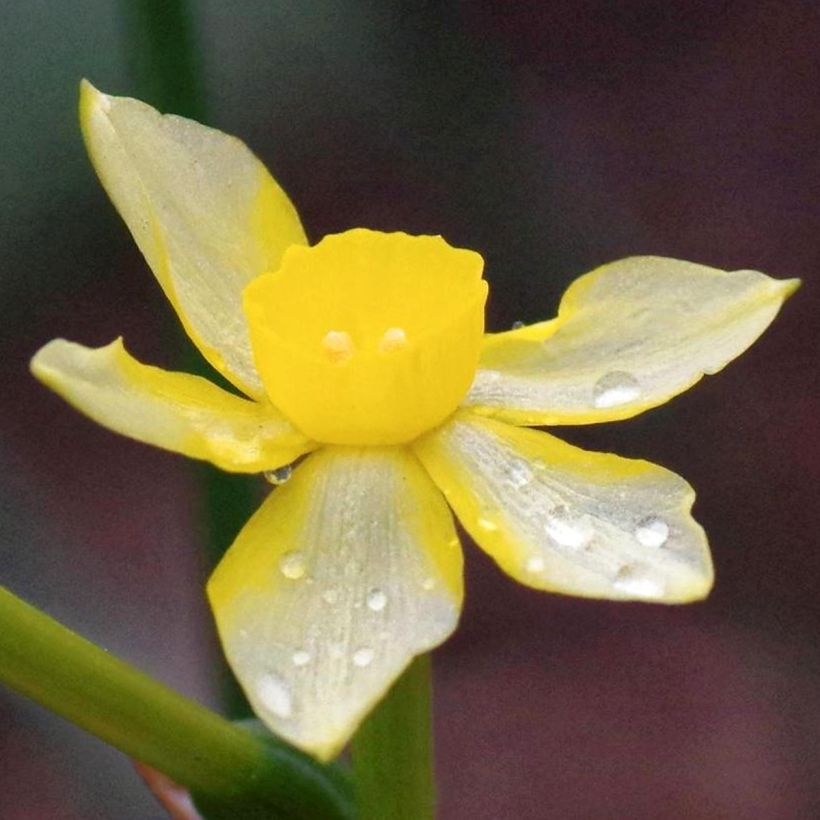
point(393, 752)
point(226, 764)
point(161, 43)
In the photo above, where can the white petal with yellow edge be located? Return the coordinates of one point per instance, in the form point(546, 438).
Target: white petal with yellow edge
point(566, 520)
point(205, 213)
point(628, 337)
point(344, 575)
point(176, 411)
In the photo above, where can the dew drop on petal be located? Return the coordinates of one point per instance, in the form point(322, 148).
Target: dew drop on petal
point(301, 657)
point(279, 476)
point(562, 529)
point(637, 580)
point(615, 388)
point(275, 695)
point(376, 600)
point(517, 325)
point(363, 657)
point(519, 474)
point(292, 565)
point(487, 524)
point(652, 531)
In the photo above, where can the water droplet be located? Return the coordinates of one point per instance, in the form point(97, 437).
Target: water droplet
point(338, 346)
point(637, 580)
point(428, 584)
point(279, 476)
point(517, 325)
point(301, 657)
point(486, 524)
point(535, 564)
point(394, 339)
point(519, 474)
point(330, 596)
point(652, 531)
point(275, 695)
point(363, 657)
point(615, 388)
point(292, 565)
point(376, 600)
point(562, 529)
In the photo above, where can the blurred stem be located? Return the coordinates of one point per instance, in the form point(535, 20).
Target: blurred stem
point(196, 748)
point(162, 44)
point(393, 751)
point(162, 47)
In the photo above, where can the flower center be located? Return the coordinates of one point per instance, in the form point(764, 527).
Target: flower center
point(368, 338)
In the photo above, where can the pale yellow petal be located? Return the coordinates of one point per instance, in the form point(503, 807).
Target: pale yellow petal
point(562, 519)
point(628, 337)
point(204, 211)
point(175, 411)
point(344, 575)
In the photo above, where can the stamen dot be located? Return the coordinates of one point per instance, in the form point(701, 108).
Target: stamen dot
point(338, 346)
point(394, 339)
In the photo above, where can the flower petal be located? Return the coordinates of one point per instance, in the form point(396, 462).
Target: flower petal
point(346, 572)
point(205, 213)
point(562, 519)
point(629, 336)
point(176, 411)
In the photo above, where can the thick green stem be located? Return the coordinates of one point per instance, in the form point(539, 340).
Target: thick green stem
point(393, 752)
point(43, 660)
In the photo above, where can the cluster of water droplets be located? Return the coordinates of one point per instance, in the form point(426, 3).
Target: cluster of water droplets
point(272, 690)
point(577, 533)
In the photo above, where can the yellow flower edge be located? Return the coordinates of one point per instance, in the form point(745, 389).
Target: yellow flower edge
point(366, 352)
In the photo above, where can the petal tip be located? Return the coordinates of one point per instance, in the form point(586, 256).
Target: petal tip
point(91, 99)
point(789, 286)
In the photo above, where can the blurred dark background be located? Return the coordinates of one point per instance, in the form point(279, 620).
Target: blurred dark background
point(552, 137)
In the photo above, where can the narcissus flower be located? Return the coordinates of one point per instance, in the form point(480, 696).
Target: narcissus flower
point(367, 352)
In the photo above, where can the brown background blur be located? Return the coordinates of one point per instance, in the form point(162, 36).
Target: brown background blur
point(551, 137)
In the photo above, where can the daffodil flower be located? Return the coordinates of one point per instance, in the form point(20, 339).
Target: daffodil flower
point(367, 352)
